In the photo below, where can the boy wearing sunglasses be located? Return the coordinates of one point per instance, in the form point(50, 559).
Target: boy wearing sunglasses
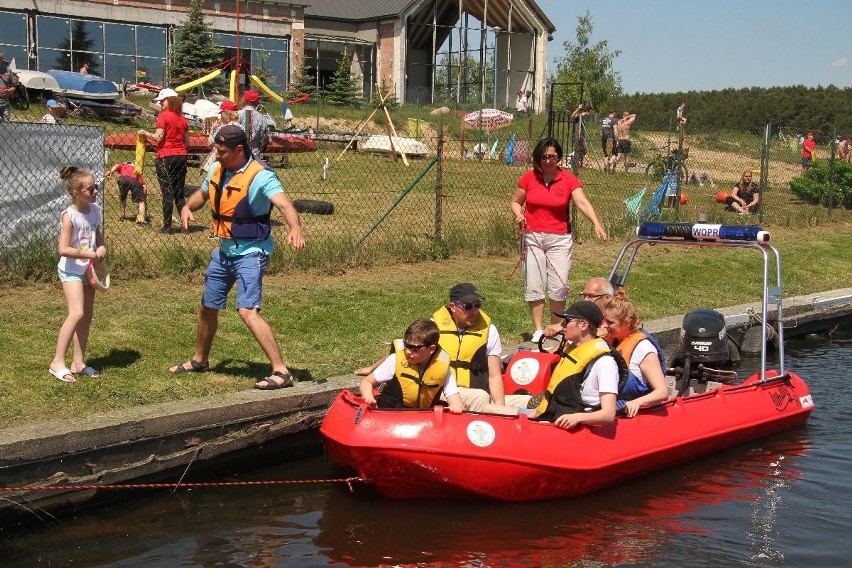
point(416, 374)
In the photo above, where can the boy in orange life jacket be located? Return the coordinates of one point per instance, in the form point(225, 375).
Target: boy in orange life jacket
point(416, 374)
point(242, 193)
point(134, 184)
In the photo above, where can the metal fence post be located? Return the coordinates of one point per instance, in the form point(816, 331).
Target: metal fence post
point(439, 184)
point(763, 183)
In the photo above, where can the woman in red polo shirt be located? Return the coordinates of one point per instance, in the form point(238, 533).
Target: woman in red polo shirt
point(540, 206)
point(172, 139)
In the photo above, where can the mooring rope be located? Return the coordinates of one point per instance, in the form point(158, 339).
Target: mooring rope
point(349, 481)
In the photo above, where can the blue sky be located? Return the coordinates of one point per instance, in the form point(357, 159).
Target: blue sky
point(696, 45)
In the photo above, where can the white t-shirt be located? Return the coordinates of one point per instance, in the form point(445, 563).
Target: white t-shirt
point(84, 230)
point(386, 370)
point(642, 350)
point(603, 378)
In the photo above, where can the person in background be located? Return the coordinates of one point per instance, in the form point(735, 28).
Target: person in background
point(541, 209)
point(134, 184)
point(241, 192)
point(521, 103)
point(584, 385)
point(646, 363)
point(172, 140)
point(609, 145)
point(84, 68)
point(622, 133)
point(745, 198)
point(416, 374)
point(844, 151)
point(7, 87)
point(255, 123)
point(81, 240)
point(52, 115)
point(808, 151)
point(579, 117)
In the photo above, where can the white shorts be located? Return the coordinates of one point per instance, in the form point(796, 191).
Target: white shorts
point(547, 260)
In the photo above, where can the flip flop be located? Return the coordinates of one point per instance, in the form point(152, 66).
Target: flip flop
point(88, 371)
point(61, 374)
point(269, 383)
point(196, 367)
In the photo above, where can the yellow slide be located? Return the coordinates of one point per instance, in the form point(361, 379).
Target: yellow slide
point(139, 162)
point(187, 86)
point(266, 90)
point(233, 86)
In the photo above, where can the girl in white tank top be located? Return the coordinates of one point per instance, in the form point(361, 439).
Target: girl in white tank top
point(81, 241)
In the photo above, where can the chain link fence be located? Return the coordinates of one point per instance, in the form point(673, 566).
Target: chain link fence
point(363, 204)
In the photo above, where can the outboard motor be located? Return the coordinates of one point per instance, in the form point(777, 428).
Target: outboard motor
point(704, 344)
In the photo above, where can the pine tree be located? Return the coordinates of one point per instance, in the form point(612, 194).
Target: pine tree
point(343, 90)
point(194, 50)
point(305, 83)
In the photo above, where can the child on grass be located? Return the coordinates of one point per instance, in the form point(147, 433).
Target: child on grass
point(80, 241)
point(134, 184)
point(416, 374)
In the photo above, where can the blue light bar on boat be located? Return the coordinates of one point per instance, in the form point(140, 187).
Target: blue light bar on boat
point(704, 232)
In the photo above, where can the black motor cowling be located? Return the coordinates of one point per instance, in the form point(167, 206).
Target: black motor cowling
point(704, 338)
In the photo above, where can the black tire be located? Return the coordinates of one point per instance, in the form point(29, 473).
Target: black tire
point(313, 206)
point(21, 98)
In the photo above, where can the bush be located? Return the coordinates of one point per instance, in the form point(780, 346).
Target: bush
point(821, 186)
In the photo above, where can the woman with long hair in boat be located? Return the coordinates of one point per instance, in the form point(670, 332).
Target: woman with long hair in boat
point(584, 385)
point(646, 383)
point(171, 137)
point(415, 374)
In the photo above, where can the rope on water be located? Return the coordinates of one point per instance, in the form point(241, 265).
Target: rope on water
point(349, 481)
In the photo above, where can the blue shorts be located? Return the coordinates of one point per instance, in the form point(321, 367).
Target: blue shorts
point(68, 277)
point(247, 271)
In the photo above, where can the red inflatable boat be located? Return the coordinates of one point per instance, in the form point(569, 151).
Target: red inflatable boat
point(433, 453)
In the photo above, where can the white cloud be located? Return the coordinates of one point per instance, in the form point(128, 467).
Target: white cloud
point(841, 63)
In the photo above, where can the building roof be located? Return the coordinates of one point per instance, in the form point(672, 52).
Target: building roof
point(361, 10)
point(355, 10)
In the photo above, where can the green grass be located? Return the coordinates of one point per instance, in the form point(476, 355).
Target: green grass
point(329, 323)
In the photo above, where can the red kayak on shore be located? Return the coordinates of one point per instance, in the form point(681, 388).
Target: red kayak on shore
point(434, 453)
point(279, 143)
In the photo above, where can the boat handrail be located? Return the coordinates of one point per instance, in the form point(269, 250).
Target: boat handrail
point(706, 235)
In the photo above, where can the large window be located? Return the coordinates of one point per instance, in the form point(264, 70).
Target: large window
point(269, 57)
point(322, 57)
point(13, 38)
point(118, 52)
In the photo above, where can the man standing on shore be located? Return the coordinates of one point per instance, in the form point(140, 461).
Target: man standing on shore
point(241, 193)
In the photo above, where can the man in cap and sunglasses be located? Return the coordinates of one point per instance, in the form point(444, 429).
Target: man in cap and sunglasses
point(584, 385)
point(242, 193)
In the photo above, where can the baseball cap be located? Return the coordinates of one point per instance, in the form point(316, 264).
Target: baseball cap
point(585, 310)
point(165, 93)
point(51, 103)
point(251, 96)
point(464, 292)
point(227, 105)
point(231, 135)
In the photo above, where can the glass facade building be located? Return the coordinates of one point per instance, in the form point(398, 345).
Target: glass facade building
point(123, 51)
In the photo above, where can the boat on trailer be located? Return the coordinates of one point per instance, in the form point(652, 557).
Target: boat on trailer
point(84, 86)
point(434, 453)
